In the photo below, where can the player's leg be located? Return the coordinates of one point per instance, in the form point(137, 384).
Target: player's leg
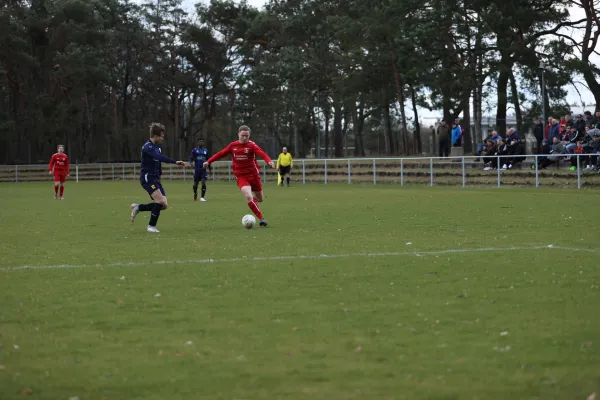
point(246, 188)
point(196, 182)
point(287, 175)
point(63, 178)
point(252, 205)
point(203, 193)
point(157, 193)
point(258, 196)
point(160, 204)
point(56, 185)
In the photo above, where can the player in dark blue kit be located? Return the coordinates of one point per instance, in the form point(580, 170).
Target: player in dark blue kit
point(199, 156)
point(150, 173)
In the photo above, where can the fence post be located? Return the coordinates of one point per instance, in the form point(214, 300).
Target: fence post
point(265, 172)
point(431, 171)
point(578, 173)
point(113, 171)
point(374, 172)
point(498, 171)
point(76, 172)
point(134, 171)
point(537, 171)
point(326, 171)
point(214, 178)
point(228, 171)
point(100, 171)
point(16, 173)
point(123, 165)
point(349, 173)
point(464, 178)
point(402, 172)
point(171, 172)
point(303, 173)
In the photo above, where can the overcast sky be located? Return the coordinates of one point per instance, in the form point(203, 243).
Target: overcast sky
point(573, 97)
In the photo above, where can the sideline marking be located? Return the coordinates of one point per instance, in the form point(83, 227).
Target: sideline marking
point(299, 257)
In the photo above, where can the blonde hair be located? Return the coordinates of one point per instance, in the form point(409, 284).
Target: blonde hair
point(156, 129)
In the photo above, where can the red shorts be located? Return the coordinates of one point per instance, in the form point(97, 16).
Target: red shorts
point(253, 181)
point(60, 177)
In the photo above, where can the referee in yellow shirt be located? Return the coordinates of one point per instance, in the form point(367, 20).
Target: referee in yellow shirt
point(284, 165)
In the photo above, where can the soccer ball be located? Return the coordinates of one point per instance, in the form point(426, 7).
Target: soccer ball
point(248, 221)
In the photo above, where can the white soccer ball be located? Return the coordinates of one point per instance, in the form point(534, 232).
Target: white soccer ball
point(248, 221)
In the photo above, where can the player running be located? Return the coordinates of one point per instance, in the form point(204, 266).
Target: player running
point(284, 165)
point(150, 173)
point(59, 166)
point(198, 158)
point(245, 169)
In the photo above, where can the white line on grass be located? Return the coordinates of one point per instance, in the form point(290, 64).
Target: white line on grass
point(299, 257)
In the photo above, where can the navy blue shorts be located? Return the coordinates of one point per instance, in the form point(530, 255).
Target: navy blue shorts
point(151, 184)
point(200, 175)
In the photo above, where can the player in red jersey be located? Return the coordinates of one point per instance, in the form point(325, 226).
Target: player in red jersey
point(245, 168)
point(59, 166)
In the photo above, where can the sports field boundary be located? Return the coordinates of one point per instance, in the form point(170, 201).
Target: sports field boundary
point(302, 257)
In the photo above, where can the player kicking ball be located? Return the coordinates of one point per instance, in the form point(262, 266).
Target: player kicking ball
point(59, 166)
point(150, 173)
point(245, 168)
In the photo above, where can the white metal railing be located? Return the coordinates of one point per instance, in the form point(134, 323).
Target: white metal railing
point(129, 171)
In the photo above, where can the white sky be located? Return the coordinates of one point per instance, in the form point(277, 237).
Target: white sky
point(578, 104)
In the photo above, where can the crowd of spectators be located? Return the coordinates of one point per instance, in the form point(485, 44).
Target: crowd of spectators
point(557, 141)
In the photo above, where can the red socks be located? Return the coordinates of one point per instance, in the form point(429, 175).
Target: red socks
point(254, 207)
point(62, 190)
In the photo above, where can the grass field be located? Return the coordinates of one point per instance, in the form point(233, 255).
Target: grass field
point(459, 298)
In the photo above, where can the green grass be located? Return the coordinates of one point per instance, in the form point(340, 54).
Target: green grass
point(405, 326)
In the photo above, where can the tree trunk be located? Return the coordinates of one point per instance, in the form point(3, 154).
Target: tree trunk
point(418, 145)
point(358, 124)
point(589, 42)
point(115, 133)
point(337, 129)
point(326, 133)
point(176, 133)
point(503, 77)
point(387, 132)
point(402, 104)
point(466, 123)
point(515, 101)
point(478, 83)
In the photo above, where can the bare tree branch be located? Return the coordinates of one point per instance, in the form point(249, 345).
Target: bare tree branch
point(572, 82)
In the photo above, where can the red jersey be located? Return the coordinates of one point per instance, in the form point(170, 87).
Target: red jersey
point(244, 157)
point(60, 164)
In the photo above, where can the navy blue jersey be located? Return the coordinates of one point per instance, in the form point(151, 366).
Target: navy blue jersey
point(151, 160)
point(199, 157)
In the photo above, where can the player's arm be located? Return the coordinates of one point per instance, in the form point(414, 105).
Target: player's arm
point(158, 156)
point(263, 155)
point(218, 156)
point(51, 164)
point(67, 165)
point(192, 158)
